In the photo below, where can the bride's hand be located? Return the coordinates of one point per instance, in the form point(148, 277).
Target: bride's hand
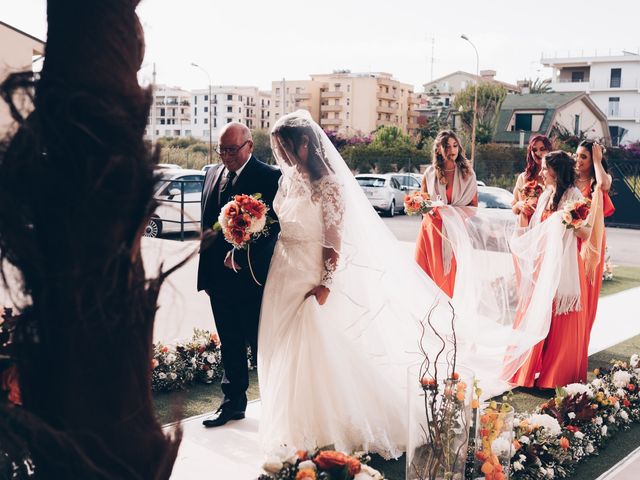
point(320, 292)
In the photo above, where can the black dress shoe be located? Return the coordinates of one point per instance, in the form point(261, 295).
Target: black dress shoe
point(224, 415)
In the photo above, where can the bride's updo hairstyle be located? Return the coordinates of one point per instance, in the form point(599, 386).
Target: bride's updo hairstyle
point(294, 134)
point(564, 168)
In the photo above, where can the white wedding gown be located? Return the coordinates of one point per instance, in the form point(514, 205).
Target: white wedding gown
point(321, 382)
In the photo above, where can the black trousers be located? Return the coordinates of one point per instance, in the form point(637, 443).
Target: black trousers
point(237, 324)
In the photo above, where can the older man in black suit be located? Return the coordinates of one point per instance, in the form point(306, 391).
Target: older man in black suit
point(235, 296)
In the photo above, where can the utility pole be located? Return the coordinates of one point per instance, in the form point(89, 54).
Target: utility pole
point(475, 100)
point(153, 106)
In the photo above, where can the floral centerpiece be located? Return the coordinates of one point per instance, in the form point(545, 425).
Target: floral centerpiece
point(574, 214)
point(322, 464)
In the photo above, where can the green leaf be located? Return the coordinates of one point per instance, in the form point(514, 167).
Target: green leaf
point(217, 227)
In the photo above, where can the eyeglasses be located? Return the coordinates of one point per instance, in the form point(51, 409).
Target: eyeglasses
point(230, 150)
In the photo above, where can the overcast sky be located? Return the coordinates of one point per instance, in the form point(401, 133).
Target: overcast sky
point(258, 41)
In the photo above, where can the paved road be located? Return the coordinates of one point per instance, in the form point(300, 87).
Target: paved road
point(624, 244)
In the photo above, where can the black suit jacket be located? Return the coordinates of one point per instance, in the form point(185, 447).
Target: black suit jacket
point(256, 177)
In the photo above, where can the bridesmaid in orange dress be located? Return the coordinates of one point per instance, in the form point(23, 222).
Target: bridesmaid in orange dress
point(594, 183)
point(523, 206)
point(450, 179)
point(560, 358)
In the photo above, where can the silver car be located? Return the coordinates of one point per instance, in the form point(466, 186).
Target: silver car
point(386, 191)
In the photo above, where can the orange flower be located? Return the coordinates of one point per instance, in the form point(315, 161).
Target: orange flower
point(164, 349)
point(516, 445)
point(302, 455)
point(475, 403)
point(564, 443)
point(613, 400)
point(328, 459)
point(631, 387)
point(460, 395)
point(306, 474)
point(455, 375)
point(154, 363)
point(428, 382)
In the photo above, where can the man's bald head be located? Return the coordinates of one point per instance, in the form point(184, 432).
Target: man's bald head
point(235, 137)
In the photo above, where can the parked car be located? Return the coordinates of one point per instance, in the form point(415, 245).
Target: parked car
point(169, 190)
point(386, 191)
point(494, 197)
point(208, 166)
point(169, 166)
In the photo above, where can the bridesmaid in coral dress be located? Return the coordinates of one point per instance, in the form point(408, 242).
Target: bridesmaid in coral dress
point(594, 183)
point(560, 359)
point(451, 179)
point(523, 204)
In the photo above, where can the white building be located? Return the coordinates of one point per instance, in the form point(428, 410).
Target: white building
point(612, 82)
point(170, 114)
point(263, 120)
point(228, 104)
point(18, 51)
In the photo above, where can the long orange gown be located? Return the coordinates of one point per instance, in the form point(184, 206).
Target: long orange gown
point(561, 358)
point(593, 289)
point(429, 250)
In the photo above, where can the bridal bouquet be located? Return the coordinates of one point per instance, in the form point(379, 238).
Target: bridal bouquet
point(418, 203)
point(574, 214)
point(243, 220)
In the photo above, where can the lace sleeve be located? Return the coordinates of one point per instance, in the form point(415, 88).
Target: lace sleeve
point(331, 196)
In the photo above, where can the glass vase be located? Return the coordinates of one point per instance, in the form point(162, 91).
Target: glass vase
point(494, 441)
point(439, 421)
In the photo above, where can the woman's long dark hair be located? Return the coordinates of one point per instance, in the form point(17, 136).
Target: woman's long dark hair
point(588, 144)
point(532, 168)
point(316, 165)
point(437, 160)
point(564, 168)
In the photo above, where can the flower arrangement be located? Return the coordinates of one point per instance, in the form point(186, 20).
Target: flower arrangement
point(243, 220)
point(439, 437)
point(531, 191)
point(322, 464)
point(417, 203)
point(494, 441)
point(576, 422)
point(197, 360)
point(574, 214)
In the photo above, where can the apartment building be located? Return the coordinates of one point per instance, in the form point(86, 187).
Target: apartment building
point(227, 104)
point(349, 103)
point(18, 50)
point(263, 120)
point(170, 114)
point(613, 83)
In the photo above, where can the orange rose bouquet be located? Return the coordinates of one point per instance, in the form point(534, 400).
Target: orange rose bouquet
point(417, 203)
point(243, 220)
point(530, 191)
point(574, 214)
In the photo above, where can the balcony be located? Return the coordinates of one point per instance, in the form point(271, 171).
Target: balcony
point(331, 95)
point(331, 121)
point(302, 96)
point(330, 108)
point(387, 109)
point(387, 96)
point(623, 114)
point(603, 85)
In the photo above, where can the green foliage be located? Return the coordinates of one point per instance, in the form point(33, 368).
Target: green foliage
point(375, 158)
point(540, 86)
point(390, 137)
point(262, 146)
point(490, 98)
point(499, 165)
point(430, 129)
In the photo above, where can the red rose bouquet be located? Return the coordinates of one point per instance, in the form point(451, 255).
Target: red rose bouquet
point(574, 214)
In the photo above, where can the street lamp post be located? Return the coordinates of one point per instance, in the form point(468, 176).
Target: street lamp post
point(475, 100)
point(209, 107)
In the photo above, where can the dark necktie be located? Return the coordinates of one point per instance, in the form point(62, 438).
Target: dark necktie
point(225, 190)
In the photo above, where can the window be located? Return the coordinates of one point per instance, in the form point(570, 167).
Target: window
point(229, 120)
point(576, 125)
point(348, 88)
point(206, 97)
point(523, 122)
point(617, 134)
point(162, 112)
point(240, 97)
point(348, 101)
point(206, 120)
point(195, 99)
point(446, 102)
point(229, 97)
point(187, 133)
point(229, 109)
point(205, 133)
point(616, 77)
point(277, 91)
point(577, 77)
point(206, 109)
point(195, 110)
point(347, 115)
point(336, 86)
point(162, 121)
point(215, 122)
point(614, 106)
point(195, 121)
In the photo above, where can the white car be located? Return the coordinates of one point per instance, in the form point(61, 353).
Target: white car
point(386, 191)
point(168, 166)
point(179, 194)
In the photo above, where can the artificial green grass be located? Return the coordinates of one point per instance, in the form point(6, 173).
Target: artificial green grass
point(623, 279)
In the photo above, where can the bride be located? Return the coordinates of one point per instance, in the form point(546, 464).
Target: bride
point(340, 309)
